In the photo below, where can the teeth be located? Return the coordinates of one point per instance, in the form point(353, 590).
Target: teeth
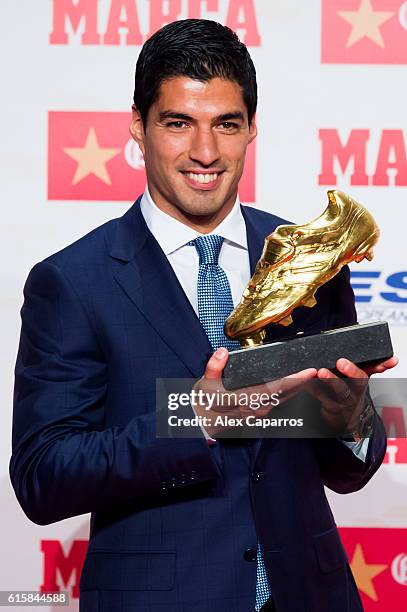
point(202, 178)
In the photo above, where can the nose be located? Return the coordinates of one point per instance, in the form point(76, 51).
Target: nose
point(204, 147)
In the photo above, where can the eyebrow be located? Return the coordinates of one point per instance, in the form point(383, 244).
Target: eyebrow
point(170, 114)
point(237, 115)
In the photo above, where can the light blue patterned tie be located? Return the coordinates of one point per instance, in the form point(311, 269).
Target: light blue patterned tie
point(214, 306)
point(263, 591)
point(214, 297)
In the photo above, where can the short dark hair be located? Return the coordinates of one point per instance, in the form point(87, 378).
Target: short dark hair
point(196, 48)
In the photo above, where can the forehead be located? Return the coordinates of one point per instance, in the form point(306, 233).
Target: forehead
point(189, 96)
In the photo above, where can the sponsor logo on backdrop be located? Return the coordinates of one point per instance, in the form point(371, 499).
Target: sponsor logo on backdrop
point(396, 453)
point(377, 559)
point(121, 22)
point(91, 156)
point(393, 417)
point(345, 155)
point(60, 569)
point(380, 296)
point(379, 564)
point(364, 31)
point(399, 569)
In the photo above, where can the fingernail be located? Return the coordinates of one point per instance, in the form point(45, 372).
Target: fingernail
point(343, 363)
point(220, 353)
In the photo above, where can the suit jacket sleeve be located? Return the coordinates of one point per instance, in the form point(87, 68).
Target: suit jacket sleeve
point(342, 471)
point(64, 461)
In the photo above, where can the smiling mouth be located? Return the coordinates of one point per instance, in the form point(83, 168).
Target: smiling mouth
point(203, 179)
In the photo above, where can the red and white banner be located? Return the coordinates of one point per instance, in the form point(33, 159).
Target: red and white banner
point(378, 558)
point(364, 31)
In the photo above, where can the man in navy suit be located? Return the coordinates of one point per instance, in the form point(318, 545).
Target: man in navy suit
point(177, 524)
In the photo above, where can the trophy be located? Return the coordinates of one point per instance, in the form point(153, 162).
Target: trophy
point(296, 261)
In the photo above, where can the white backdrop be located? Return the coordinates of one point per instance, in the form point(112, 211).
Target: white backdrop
point(299, 95)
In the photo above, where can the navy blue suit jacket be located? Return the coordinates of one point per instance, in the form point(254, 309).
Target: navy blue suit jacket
point(175, 523)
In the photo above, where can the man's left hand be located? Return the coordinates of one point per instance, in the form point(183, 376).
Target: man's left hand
point(344, 398)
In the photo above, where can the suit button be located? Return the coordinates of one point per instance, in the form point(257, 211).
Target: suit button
point(163, 486)
point(173, 482)
point(250, 554)
point(182, 479)
point(256, 476)
point(193, 475)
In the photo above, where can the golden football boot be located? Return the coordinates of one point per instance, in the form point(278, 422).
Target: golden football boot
point(296, 261)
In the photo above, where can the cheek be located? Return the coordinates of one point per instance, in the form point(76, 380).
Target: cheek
point(170, 147)
point(159, 149)
point(234, 150)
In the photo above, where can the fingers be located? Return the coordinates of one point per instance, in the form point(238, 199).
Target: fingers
point(293, 381)
point(342, 397)
point(349, 369)
point(278, 385)
point(391, 363)
point(379, 368)
point(304, 374)
point(345, 367)
point(325, 373)
point(216, 364)
point(335, 395)
point(290, 385)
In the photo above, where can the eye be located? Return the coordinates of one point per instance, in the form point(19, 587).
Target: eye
point(229, 126)
point(178, 125)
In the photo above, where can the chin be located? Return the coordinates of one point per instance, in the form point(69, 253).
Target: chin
point(202, 211)
point(204, 204)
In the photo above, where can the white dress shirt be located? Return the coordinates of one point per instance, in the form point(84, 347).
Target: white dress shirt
point(173, 237)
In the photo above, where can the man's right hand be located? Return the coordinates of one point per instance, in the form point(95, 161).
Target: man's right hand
point(229, 405)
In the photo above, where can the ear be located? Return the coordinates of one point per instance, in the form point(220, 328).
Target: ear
point(137, 128)
point(252, 129)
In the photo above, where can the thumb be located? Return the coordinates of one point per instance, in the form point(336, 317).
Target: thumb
point(216, 364)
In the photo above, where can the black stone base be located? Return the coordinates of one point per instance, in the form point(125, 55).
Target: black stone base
point(363, 344)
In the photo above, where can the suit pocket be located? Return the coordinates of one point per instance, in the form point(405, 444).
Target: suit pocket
point(131, 571)
point(329, 551)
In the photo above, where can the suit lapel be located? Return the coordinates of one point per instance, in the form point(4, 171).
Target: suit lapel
point(150, 282)
point(255, 238)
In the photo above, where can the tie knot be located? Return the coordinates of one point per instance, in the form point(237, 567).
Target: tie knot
point(208, 248)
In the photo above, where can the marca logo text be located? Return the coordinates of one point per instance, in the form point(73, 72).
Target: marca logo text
point(131, 22)
point(60, 568)
point(345, 156)
point(396, 452)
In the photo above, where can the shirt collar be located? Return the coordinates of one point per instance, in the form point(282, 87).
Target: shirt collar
point(171, 234)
